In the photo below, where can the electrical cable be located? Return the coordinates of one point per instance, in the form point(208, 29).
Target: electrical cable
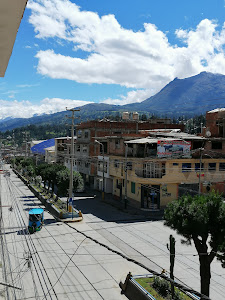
point(21, 220)
point(72, 261)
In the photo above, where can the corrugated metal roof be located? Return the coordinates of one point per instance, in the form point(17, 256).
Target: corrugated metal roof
point(178, 135)
point(143, 141)
point(40, 148)
point(151, 140)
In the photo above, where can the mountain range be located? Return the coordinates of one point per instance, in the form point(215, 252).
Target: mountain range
point(190, 96)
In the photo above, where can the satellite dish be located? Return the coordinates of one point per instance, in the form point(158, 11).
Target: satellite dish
point(208, 133)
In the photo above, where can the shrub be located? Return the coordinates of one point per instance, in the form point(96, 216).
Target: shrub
point(162, 286)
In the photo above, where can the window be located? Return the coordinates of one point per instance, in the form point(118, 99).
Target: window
point(86, 134)
point(186, 167)
point(129, 165)
point(222, 167)
point(153, 170)
point(197, 166)
point(197, 145)
point(117, 143)
point(212, 167)
point(116, 163)
point(79, 133)
point(133, 187)
point(100, 166)
point(216, 145)
point(78, 148)
point(84, 148)
point(118, 183)
point(87, 164)
point(175, 164)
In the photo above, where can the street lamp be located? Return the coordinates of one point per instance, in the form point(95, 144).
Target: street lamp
point(103, 172)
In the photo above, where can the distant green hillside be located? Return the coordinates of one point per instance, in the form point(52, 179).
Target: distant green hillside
point(190, 96)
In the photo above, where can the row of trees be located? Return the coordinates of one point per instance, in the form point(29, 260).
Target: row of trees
point(54, 176)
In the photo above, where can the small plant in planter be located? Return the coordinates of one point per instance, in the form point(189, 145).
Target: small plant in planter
point(160, 289)
point(162, 286)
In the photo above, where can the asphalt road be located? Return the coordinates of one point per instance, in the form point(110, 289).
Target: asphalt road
point(63, 262)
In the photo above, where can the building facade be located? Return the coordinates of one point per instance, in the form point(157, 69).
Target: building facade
point(88, 151)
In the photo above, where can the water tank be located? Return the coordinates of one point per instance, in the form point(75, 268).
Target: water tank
point(125, 115)
point(135, 116)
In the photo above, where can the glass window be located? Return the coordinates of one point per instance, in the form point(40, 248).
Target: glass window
point(117, 143)
point(216, 145)
point(212, 167)
point(78, 148)
point(197, 166)
point(85, 148)
point(116, 163)
point(133, 187)
point(222, 167)
point(79, 133)
point(87, 164)
point(186, 167)
point(129, 165)
point(118, 183)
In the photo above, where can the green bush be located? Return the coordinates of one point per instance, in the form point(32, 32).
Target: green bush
point(162, 286)
point(178, 296)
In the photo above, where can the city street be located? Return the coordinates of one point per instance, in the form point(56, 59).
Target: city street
point(62, 261)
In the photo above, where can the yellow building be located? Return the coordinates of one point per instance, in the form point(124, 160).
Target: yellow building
point(153, 181)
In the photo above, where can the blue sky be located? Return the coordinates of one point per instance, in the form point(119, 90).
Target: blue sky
point(68, 53)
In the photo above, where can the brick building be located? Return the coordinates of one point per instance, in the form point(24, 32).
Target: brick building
point(88, 152)
point(215, 132)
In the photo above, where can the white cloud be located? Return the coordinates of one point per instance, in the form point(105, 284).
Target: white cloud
point(26, 109)
point(131, 97)
point(140, 60)
point(27, 85)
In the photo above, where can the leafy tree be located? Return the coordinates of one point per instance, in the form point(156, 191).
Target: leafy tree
point(143, 117)
point(18, 160)
point(63, 179)
point(31, 171)
point(42, 171)
point(52, 174)
point(200, 219)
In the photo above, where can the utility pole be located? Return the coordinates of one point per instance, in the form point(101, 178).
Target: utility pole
point(200, 171)
point(13, 149)
point(70, 200)
point(26, 134)
point(125, 197)
point(171, 248)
